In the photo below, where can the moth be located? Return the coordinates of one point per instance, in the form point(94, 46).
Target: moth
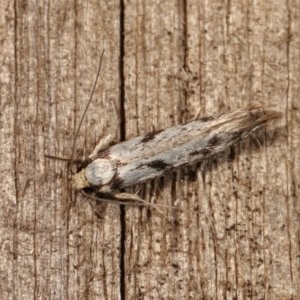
point(146, 157)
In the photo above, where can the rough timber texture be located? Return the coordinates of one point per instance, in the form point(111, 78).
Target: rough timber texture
point(234, 232)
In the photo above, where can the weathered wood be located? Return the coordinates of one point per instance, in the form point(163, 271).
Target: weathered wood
point(234, 232)
point(54, 247)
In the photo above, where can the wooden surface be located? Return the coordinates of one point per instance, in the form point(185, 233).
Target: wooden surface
point(235, 231)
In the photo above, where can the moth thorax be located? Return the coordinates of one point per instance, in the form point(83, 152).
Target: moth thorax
point(100, 172)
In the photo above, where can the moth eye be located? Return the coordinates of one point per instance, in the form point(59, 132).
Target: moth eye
point(83, 164)
point(100, 172)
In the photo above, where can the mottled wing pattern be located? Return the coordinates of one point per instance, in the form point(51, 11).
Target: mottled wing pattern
point(204, 139)
point(153, 143)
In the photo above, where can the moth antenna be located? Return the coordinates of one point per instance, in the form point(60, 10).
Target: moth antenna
point(63, 158)
point(86, 108)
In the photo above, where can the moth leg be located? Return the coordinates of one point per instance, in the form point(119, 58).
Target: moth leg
point(116, 198)
point(130, 197)
point(108, 140)
point(197, 114)
point(99, 200)
point(104, 143)
point(134, 199)
point(124, 197)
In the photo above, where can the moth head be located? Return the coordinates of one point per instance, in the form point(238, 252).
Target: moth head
point(96, 174)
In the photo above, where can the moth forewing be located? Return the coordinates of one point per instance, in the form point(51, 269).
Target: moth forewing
point(152, 155)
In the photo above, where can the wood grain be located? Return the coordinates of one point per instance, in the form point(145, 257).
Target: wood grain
point(234, 232)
